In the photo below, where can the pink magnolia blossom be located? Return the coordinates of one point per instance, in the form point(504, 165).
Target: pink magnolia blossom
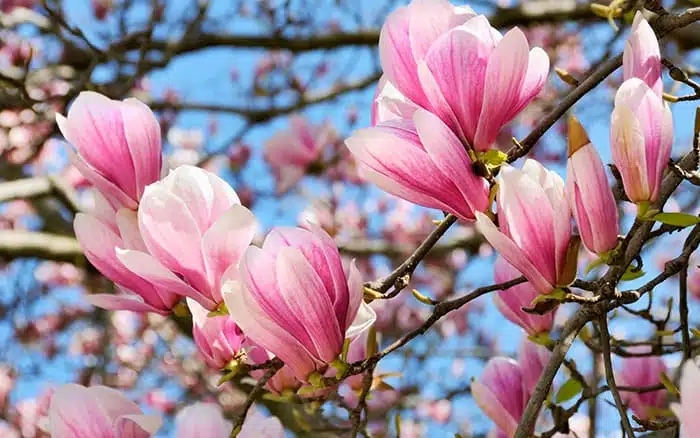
point(293, 298)
point(532, 359)
point(499, 393)
point(202, 420)
point(641, 137)
point(588, 190)
point(101, 235)
point(422, 161)
point(510, 302)
point(640, 372)
point(193, 228)
point(118, 145)
point(290, 153)
point(642, 58)
point(218, 338)
point(97, 411)
point(451, 62)
point(535, 225)
point(687, 410)
point(257, 425)
point(283, 379)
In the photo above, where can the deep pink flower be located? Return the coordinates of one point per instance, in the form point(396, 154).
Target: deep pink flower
point(451, 62)
point(532, 359)
point(422, 161)
point(98, 411)
point(291, 152)
point(510, 302)
point(218, 338)
point(640, 372)
point(588, 190)
point(118, 145)
point(535, 225)
point(293, 298)
point(641, 137)
point(499, 393)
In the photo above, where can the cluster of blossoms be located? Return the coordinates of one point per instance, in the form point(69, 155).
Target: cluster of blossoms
point(180, 239)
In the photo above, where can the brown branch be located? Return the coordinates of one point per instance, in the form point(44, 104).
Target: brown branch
point(610, 376)
point(409, 265)
point(39, 186)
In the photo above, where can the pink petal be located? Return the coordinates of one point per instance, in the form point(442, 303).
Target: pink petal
point(130, 302)
point(202, 420)
point(166, 283)
point(642, 58)
point(505, 75)
point(137, 426)
point(305, 295)
point(264, 330)
point(142, 132)
point(449, 155)
point(74, 413)
point(512, 253)
point(226, 241)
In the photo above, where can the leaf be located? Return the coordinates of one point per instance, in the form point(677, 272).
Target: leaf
point(556, 295)
point(677, 219)
point(668, 384)
point(632, 273)
point(540, 339)
point(665, 333)
point(695, 332)
point(568, 390)
point(422, 298)
point(493, 157)
point(397, 424)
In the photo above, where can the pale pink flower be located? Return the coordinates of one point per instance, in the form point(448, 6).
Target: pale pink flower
point(641, 137)
point(642, 58)
point(535, 225)
point(258, 425)
point(97, 411)
point(202, 420)
point(193, 228)
point(532, 358)
point(687, 410)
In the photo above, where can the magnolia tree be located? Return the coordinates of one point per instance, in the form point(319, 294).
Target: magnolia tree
point(349, 218)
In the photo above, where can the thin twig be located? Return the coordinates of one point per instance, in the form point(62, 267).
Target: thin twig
point(610, 375)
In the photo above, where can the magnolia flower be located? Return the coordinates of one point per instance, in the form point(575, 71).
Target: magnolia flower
point(451, 62)
point(642, 58)
point(510, 302)
point(591, 200)
point(290, 153)
point(641, 372)
point(499, 393)
point(641, 137)
point(687, 410)
point(293, 298)
point(532, 359)
point(202, 420)
point(118, 145)
point(257, 425)
point(98, 411)
point(218, 338)
point(535, 225)
point(194, 229)
point(101, 234)
point(422, 161)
